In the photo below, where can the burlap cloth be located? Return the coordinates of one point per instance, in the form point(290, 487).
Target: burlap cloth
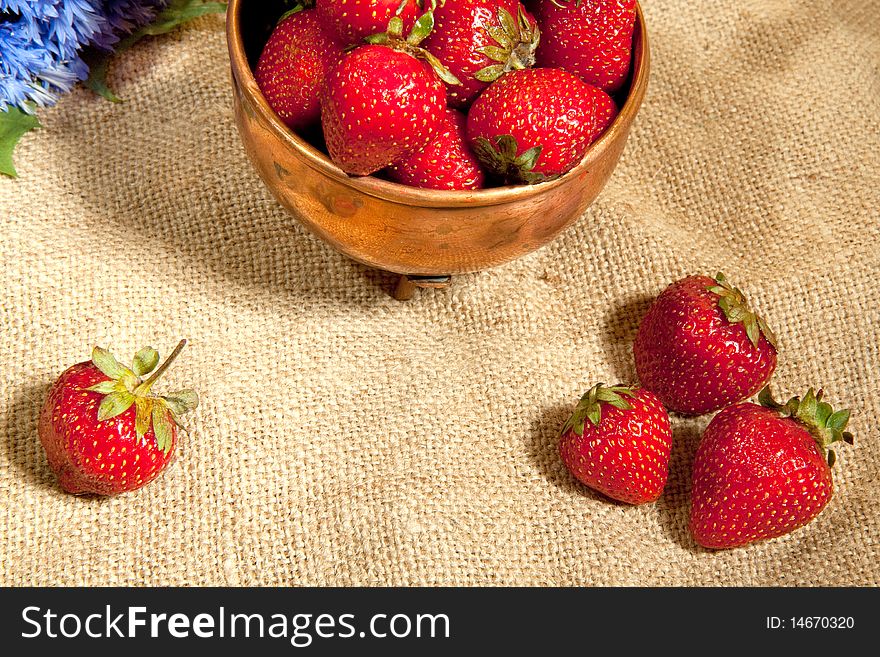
point(345, 438)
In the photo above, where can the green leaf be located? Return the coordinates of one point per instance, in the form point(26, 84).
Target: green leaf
point(374, 39)
point(590, 405)
point(175, 14)
point(508, 23)
point(444, 73)
point(532, 178)
point(145, 361)
point(499, 36)
point(807, 407)
point(823, 412)
point(144, 416)
point(733, 304)
point(765, 398)
point(484, 150)
point(771, 337)
point(114, 404)
point(395, 27)
point(495, 53)
point(613, 396)
point(490, 73)
point(290, 12)
point(529, 159)
point(507, 146)
point(163, 429)
point(107, 387)
point(423, 27)
point(752, 329)
point(525, 27)
point(182, 401)
point(98, 62)
point(838, 420)
point(739, 314)
point(603, 394)
point(14, 124)
point(107, 363)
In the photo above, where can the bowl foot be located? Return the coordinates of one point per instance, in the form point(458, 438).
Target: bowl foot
point(406, 285)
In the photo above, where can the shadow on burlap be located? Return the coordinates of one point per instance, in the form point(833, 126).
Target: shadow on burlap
point(345, 438)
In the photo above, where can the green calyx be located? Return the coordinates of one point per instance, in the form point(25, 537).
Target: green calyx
point(517, 40)
point(733, 304)
point(590, 406)
point(824, 423)
point(296, 6)
point(290, 12)
point(127, 387)
point(502, 161)
point(411, 44)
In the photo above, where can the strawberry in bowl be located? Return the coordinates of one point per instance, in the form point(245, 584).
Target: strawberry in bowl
point(399, 217)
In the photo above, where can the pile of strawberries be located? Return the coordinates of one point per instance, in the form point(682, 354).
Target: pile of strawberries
point(450, 94)
point(760, 471)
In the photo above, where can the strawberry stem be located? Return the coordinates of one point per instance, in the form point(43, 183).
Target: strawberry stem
point(144, 387)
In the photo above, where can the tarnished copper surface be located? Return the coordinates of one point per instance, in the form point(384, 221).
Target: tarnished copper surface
point(415, 231)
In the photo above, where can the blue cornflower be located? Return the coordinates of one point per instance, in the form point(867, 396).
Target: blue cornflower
point(41, 43)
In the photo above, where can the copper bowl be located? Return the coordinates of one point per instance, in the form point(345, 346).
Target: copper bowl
point(403, 229)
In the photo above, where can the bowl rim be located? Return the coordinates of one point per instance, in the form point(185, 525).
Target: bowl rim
point(245, 82)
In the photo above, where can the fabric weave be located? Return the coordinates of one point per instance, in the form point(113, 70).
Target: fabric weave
point(345, 438)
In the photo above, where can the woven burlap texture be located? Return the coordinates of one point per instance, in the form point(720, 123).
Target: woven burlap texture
point(345, 438)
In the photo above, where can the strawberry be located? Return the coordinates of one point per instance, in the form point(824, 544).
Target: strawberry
point(104, 432)
point(764, 471)
point(353, 20)
point(293, 65)
point(382, 102)
point(591, 38)
point(618, 442)
point(479, 41)
point(447, 162)
point(536, 124)
point(700, 347)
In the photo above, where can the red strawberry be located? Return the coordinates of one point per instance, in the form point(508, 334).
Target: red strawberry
point(479, 41)
point(700, 348)
point(381, 103)
point(761, 472)
point(354, 20)
point(590, 38)
point(104, 432)
point(447, 162)
point(618, 442)
point(536, 124)
point(605, 113)
point(292, 68)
